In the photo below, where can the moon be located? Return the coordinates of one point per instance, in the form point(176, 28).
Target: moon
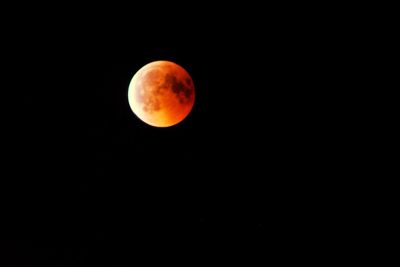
point(161, 93)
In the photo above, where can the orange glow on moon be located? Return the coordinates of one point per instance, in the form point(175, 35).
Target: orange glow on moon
point(161, 93)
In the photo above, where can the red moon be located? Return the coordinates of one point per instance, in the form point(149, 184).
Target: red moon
point(161, 93)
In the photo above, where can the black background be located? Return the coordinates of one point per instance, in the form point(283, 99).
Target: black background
point(248, 172)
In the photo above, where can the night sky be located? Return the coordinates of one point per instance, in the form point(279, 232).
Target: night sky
point(86, 183)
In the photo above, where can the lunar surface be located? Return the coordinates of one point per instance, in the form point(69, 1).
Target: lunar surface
point(161, 94)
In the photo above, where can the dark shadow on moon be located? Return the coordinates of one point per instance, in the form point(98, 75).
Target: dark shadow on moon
point(183, 91)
